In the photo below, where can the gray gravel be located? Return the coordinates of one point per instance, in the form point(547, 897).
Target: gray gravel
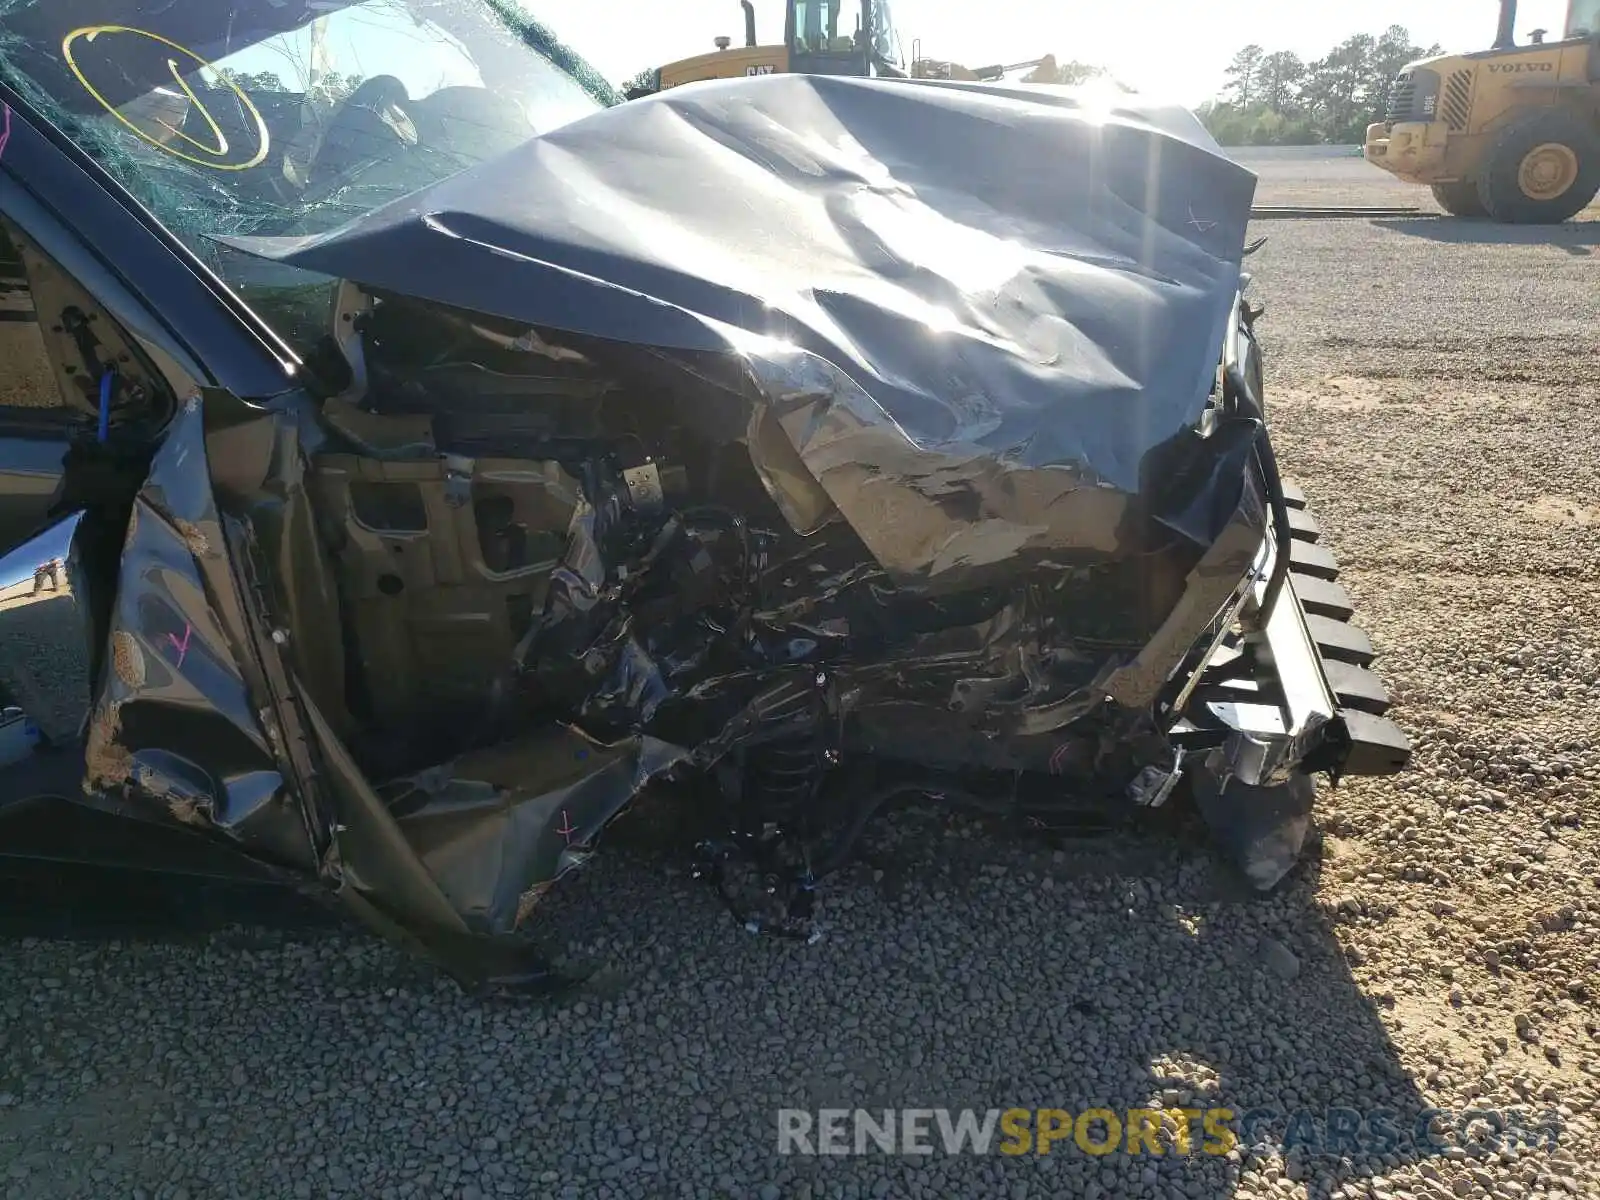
point(1436, 391)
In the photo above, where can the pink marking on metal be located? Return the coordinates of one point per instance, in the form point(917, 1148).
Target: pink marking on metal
point(183, 646)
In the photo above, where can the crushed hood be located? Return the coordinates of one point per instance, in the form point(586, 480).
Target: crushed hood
point(1021, 275)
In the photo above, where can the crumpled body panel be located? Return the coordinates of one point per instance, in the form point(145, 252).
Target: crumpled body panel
point(179, 722)
point(780, 446)
point(996, 302)
point(494, 847)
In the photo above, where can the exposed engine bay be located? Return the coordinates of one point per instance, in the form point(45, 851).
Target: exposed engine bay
point(538, 573)
point(787, 461)
point(529, 541)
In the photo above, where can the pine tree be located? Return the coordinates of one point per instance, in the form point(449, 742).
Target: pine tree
point(1243, 70)
point(1279, 81)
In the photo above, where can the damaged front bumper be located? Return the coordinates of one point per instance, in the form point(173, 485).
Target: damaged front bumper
point(1270, 708)
point(599, 515)
point(452, 858)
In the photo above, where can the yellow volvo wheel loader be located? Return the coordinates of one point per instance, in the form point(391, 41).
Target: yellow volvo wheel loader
point(1511, 133)
point(820, 37)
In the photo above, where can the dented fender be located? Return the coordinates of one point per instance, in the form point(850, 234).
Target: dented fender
point(179, 728)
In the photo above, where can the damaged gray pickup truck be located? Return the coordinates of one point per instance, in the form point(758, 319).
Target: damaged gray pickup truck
point(401, 474)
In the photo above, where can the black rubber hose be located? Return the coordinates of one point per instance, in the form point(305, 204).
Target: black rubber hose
point(839, 853)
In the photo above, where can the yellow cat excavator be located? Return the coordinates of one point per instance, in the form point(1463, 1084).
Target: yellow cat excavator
point(813, 44)
point(1511, 133)
point(820, 37)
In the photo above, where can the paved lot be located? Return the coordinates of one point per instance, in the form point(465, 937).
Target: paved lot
point(1435, 387)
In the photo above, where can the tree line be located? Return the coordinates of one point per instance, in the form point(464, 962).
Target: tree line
point(1276, 98)
point(253, 83)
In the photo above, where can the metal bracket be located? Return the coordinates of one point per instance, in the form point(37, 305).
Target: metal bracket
point(350, 304)
point(1269, 739)
point(644, 487)
point(1154, 785)
point(457, 480)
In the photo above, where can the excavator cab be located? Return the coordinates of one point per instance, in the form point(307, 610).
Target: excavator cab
point(821, 43)
point(813, 38)
point(1511, 133)
point(820, 37)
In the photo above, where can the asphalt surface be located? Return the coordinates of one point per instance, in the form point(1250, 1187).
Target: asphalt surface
point(1434, 387)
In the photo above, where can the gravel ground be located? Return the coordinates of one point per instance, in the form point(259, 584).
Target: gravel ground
point(1434, 389)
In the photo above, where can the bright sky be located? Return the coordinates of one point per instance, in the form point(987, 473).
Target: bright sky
point(1172, 49)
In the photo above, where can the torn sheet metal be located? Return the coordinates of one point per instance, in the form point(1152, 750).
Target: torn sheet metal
point(1262, 829)
point(1003, 301)
point(382, 882)
point(451, 860)
point(497, 827)
point(177, 729)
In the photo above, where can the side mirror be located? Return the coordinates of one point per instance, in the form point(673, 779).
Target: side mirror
point(46, 659)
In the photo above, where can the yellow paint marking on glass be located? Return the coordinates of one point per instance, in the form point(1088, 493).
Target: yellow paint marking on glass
point(91, 32)
point(216, 130)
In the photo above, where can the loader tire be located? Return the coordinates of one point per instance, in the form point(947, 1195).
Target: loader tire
point(1459, 199)
point(1541, 169)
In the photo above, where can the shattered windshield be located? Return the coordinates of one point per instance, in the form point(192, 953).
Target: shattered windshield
point(281, 118)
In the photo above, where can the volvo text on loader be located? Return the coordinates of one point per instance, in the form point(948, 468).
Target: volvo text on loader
point(1511, 133)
